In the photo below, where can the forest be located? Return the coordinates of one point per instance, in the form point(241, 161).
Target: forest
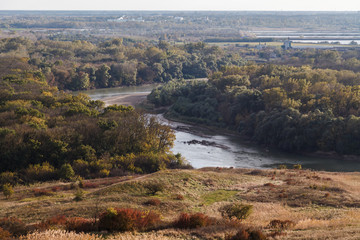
point(295, 109)
point(47, 134)
point(79, 65)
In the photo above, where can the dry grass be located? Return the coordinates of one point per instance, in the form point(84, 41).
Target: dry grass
point(59, 235)
point(322, 205)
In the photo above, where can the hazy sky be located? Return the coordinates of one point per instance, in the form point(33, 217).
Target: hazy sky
point(323, 5)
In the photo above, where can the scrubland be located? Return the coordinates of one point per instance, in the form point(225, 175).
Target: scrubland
point(314, 205)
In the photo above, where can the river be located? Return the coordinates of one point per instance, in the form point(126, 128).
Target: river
point(224, 150)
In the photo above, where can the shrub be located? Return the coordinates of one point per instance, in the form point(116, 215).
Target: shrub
point(79, 194)
point(81, 167)
point(13, 225)
point(154, 187)
point(66, 172)
point(257, 235)
point(237, 211)
point(247, 235)
point(196, 220)
point(240, 235)
point(59, 220)
point(127, 219)
point(104, 173)
point(297, 166)
point(179, 197)
point(5, 235)
point(7, 190)
point(269, 185)
point(153, 202)
point(43, 172)
point(89, 185)
point(282, 166)
point(281, 225)
point(8, 177)
point(79, 224)
point(42, 192)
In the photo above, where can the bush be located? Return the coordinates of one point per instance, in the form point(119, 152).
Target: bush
point(153, 202)
point(81, 167)
point(257, 235)
point(247, 235)
point(42, 192)
point(179, 197)
point(79, 224)
point(79, 194)
point(66, 172)
point(282, 166)
point(237, 211)
point(43, 172)
point(281, 225)
point(59, 220)
point(154, 187)
point(5, 235)
point(196, 220)
point(127, 219)
point(297, 166)
point(8, 177)
point(7, 190)
point(13, 225)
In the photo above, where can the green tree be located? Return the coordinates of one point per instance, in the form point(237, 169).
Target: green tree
point(7, 190)
point(103, 76)
point(66, 172)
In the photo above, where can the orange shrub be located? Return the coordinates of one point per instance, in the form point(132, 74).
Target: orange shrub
point(127, 219)
point(4, 235)
point(247, 235)
point(196, 220)
point(59, 220)
point(179, 197)
point(79, 224)
point(13, 225)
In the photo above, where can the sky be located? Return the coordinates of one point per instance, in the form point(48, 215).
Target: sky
point(266, 5)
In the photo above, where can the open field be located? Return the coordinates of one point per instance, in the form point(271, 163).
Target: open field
point(321, 205)
point(279, 44)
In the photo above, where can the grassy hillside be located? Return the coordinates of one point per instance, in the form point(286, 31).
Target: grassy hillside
point(320, 205)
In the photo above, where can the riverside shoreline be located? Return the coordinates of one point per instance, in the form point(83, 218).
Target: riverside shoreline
point(182, 125)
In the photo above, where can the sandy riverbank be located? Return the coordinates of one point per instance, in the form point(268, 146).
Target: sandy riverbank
point(126, 99)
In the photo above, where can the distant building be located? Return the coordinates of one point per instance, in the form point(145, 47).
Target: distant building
point(260, 46)
point(126, 19)
point(163, 37)
point(287, 44)
point(180, 19)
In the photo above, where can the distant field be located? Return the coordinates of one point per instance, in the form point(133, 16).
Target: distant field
point(279, 44)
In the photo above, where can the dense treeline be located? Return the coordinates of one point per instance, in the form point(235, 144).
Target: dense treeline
point(78, 65)
point(46, 134)
point(291, 108)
